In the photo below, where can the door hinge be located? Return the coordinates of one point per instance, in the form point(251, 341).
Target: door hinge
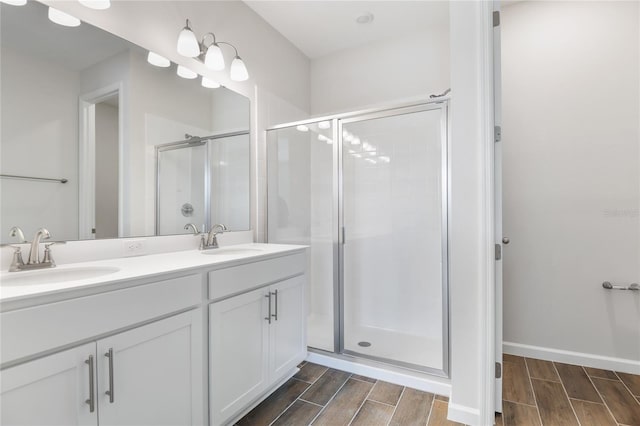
point(498, 370)
point(496, 18)
point(498, 252)
point(497, 133)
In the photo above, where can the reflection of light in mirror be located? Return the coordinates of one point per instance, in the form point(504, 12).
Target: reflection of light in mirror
point(62, 18)
point(222, 163)
point(185, 72)
point(324, 125)
point(355, 141)
point(357, 155)
point(209, 84)
point(384, 159)
point(159, 61)
point(370, 160)
point(372, 153)
point(96, 4)
point(302, 128)
point(366, 146)
point(325, 139)
point(14, 2)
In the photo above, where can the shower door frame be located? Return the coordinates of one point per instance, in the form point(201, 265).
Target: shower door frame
point(172, 146)
point(339, 239)
point(438, 102)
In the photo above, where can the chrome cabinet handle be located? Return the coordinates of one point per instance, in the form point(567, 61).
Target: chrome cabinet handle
point(268, 318)
point(91, 401)
point(275, 293)
point(109, 355)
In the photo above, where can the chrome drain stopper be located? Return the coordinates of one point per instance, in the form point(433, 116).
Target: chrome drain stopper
point(364, 344)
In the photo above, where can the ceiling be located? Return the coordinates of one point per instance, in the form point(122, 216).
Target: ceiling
point(319, 28)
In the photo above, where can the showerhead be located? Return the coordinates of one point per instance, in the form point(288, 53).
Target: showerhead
point(192, 138)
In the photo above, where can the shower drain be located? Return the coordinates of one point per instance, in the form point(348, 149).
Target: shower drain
point(364, 344)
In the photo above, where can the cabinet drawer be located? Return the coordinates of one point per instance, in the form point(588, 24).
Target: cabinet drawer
point(239, 279)
point(26, 332)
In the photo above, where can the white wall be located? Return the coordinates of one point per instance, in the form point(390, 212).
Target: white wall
point(379, 73)
point(44, 134)
point(572, 177)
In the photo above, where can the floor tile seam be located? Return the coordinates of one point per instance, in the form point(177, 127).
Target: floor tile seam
point(431, 407)
point(396, 407)
point(362, 404)
point(629, 390)
point(364, 381)
point(604, 378)
point(303, 381)
point(309, 402)
point(602, 398)
point(564, 389)
point(283, 411)
point(533, 392)
point(330, 399)
point(380, 402)
point(519, 403)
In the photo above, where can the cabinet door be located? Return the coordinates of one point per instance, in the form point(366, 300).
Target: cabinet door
point(51, 390)
point(152, 375)
point(239, 353)
point(288, 329)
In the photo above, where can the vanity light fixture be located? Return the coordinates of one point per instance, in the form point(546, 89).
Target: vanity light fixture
point(325, 139)
point(185, 72)
point(355, 141)
point(159, 61)
point(188, 43)
point(14, 2)
point(302, 128)
point(324, 125)
point(211, 53)
point(96, 4)
point(384, 159)
point(62, 18)
point(209, 84)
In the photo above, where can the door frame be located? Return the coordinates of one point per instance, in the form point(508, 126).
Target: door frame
point(87, 158)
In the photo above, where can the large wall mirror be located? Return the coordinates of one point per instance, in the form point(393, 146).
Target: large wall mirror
point(98, 143)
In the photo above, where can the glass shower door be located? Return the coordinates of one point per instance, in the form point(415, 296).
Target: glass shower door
point(394, 249)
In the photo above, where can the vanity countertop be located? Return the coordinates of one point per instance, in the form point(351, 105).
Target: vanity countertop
point(133, 268)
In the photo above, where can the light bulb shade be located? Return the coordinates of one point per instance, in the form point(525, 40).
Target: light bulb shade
point(213, 58)
point(188, 43)
point(185, 72)
point(62, 18)
point(238, 70)
point(209, 84)
point(96, 4)
point(159, 61)
point(14, 2)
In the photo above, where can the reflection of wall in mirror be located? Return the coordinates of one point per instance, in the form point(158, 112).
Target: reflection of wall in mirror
point(39, 138)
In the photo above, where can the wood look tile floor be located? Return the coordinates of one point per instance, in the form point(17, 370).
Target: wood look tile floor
point(535, 392)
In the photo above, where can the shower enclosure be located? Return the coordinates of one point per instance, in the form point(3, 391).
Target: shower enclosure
point(368, 193)
point(203, 181)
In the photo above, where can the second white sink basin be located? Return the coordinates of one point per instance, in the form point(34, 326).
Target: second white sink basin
point(53, 275)
point(232, 251)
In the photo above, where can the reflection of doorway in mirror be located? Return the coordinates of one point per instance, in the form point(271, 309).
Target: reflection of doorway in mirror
point(106, 171)
point(100, 148)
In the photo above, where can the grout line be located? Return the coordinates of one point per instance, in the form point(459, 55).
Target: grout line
point(380, 402)
point(603, 400)
point(397, 404)
point(283, 411)
point(567, 393)
point(521, 403)
point(533, 392)
point(363, 401)
point(433, 403)
point(309, 402)
point(360, 380)
point(628, 389)
point(330, 399)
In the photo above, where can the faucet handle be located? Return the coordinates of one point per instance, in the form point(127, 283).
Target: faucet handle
point(48, 258)
point(17, 262)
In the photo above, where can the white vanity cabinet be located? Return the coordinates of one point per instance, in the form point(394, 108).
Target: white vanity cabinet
point(257, 336)
point(151, 374)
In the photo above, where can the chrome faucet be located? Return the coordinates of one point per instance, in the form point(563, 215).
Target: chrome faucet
point(34, 252)
point(211, 241)
point(193, 228)
point(33, 262)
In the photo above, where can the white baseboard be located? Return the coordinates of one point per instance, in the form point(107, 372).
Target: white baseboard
point(463, 414)
point(569, 357)
point(439, 386)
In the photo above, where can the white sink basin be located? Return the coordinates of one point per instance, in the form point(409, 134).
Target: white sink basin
point(232, 251)
point(49, 276)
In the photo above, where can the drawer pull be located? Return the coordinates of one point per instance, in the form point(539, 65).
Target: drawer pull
point(91, 401)
point(109, 355)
